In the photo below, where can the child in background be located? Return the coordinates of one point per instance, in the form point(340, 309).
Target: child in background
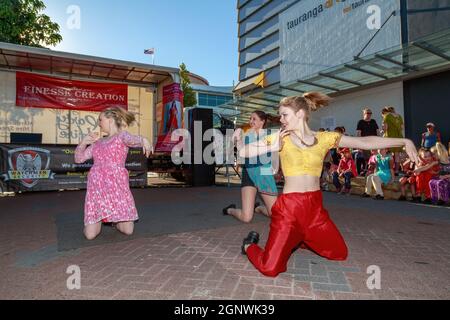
point(327, 163)
point(425, 171)
point(372, 163)
point(440, 185)
point(360, 162)
point(384, 174)
point(346, 170)
point(408, 179)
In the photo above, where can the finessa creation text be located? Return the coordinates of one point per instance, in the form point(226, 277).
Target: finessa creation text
point(74, 93)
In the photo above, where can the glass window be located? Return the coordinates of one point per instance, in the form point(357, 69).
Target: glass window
point(210, 100)
point(202, 99)
point(216, 121)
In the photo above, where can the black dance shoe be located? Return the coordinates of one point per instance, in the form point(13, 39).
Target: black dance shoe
point(225, 210)
point(252, 237)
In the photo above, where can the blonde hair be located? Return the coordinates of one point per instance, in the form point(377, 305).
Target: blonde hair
point(309, 101)
point(122, 118)
point(441, 152)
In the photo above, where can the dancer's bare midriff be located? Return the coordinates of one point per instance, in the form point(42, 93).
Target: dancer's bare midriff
point(303, 183)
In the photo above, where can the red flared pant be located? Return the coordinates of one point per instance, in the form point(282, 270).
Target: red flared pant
point(297, 219)
point(423, 184)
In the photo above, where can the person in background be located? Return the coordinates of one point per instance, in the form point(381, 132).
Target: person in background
point(427, 168)
point(393, 128)
point(324, 177)
point(334, 153)
point(408, 179)
point(372, 163)
point(430, 137)
point(365, 127)
point(384, 174)
point(440, 185)
point(346, 170)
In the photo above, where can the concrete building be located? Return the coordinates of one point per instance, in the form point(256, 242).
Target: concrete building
point(212, 97)
point(362, 53)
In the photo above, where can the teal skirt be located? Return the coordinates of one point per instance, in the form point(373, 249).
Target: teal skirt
point(261, 178)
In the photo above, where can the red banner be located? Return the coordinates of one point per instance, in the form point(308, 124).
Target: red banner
point(171, 117)
point(47, 92)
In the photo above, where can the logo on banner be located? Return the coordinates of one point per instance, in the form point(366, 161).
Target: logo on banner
point(28, 165)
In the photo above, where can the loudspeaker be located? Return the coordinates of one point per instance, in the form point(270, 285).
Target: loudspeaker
point(28, 138)
point(203, 174)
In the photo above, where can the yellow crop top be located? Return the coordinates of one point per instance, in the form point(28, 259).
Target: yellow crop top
point(297, 161)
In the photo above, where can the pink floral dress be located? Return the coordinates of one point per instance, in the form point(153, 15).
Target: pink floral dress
point(108, 196)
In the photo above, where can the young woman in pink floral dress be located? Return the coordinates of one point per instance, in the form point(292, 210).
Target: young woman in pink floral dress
point(108, 197)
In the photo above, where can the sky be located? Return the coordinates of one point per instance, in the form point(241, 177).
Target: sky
point(200, 33)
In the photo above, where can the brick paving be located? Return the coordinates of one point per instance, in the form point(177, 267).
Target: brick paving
point(410, 243)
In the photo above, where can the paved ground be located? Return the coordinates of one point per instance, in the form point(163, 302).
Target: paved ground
point(410, 243)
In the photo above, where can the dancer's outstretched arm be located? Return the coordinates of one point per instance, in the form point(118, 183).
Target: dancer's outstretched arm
point(373, 142)
point(136, 141)
point(270, 144)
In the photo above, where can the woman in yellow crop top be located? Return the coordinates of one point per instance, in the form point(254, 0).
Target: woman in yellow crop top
point(298, 215)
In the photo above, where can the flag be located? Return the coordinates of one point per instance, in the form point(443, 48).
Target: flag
point(260, 80)
point(149, 51)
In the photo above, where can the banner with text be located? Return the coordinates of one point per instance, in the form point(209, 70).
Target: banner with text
point(52, 167)
point(319, 34)
point(47, 92)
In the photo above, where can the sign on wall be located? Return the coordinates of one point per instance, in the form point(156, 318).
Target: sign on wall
point(48, 92)
point(319, 34)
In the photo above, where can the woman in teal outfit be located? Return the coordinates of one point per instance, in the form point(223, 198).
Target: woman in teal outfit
point(384, 174)
point(257, 174)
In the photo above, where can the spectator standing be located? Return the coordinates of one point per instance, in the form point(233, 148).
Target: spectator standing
point(366, 127)
point(393, 128)
point(430, 137)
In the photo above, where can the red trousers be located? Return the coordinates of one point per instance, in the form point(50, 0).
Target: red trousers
point(423, 184)
point(297, 219)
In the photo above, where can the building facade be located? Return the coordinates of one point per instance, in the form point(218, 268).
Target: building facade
point(285, 43)
point(212, 97)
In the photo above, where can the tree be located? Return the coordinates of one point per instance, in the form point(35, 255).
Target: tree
point(22, 23)
point(189, 98)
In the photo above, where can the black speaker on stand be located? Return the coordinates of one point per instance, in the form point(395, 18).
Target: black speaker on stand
point(200, 174)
